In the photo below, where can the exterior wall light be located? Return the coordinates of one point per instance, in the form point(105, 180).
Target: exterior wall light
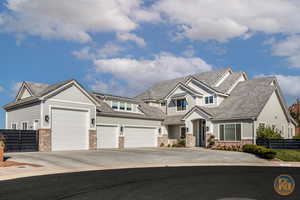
point(93, 122)
point(47, 118)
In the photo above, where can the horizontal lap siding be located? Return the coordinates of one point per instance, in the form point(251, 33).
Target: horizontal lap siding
point(127, 121)
point(26, 113)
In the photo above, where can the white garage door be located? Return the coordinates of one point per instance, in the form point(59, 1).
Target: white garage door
point(107, 136)
point(69, 129)
point(139, 137)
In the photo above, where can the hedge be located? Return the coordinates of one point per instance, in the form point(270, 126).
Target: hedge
point(259, 151)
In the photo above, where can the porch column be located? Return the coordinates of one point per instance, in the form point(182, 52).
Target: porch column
point(190, 139)
point(163, 137)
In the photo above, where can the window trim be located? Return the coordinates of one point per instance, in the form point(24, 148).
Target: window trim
point(213, 100)
point(14, 123)
point(219, 132)
point(112, 105)
point(23, 122)
point(131, 107)
point(186, 105)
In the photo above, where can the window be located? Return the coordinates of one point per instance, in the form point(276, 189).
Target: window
point(209, 100)
point(122, 106)
point(14, 126)
point(230, 132)
point(115, 105)
point(181, 104)
point(163, 104)
point(24, 126)
point(182, 132)
point(129, 107)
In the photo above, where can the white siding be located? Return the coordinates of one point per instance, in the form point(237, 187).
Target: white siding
point(72, 94)
point(25, 114)
point(273, 114)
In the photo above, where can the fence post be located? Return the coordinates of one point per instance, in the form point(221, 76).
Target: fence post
point(269, 143)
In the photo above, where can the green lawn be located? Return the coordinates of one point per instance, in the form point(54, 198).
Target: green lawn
point(288, 155)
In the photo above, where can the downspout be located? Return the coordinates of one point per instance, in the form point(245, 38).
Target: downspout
point(254, 137)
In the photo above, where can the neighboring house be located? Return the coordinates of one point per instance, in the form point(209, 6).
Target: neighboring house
point(295, 111)
point(222, 103)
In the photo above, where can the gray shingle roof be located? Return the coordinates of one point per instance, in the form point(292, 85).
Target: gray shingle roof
point(228, 82)
point(173, 120)
point(159, 90)
point(37, 90)
point(246, 100)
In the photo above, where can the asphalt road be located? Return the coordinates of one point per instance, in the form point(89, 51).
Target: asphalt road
point(184, 183)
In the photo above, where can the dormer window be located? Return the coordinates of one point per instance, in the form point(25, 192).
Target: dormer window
point(115, 105)
point(209, 100)
point(122, 105)
point(129, 107)
point(181, 104)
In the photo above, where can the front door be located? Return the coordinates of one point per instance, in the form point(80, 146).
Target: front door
point(200, 126)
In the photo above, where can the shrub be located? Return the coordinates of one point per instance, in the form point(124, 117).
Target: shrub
point(259, 151)
point(268, 133)
point(296, 137)
point(180, 143)
point(2, 141)
point(211, 141)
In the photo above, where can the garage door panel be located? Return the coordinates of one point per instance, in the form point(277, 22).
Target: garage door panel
point(107, 137)
point(139, 137)
point(69, 129)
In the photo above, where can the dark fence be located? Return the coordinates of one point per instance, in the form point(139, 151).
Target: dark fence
point(20, 140)
point(279, 143)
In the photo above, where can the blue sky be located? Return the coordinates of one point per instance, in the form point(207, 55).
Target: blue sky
point(122, 47)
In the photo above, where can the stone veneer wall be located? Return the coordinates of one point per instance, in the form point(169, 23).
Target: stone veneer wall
point(162, 141)
point(44, 140)
point(121, 142)
point(239, 143)
point(92, 139)
point(190, 140)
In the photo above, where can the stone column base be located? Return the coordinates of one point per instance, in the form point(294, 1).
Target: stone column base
point(162, 141)
point(92, 139)
point(44, 136)
point(190, 140)
point(121, 142)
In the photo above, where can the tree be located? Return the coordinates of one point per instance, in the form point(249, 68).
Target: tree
point(268, 133)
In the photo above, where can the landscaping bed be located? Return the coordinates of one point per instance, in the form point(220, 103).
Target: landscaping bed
point(288, 154)
point(13, 163)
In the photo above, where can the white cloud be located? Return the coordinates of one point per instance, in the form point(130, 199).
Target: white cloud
point(289, 48)
point(90, 53)
point(139, 74)
point(289, 85)
point(130, 36)
point(223, 20)
point(189, 52)
point(73, 20)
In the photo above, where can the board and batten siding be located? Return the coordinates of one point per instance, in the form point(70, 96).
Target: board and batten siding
point(273, 114)
point(24, 114)
point(103, 120)
point(247, 128)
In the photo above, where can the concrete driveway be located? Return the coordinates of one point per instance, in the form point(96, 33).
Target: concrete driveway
point(114, 158)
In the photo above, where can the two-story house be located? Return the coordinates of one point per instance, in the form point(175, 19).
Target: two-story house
point(222, 103)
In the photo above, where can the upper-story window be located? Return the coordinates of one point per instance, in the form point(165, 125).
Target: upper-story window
point(163, 104)
point(122, 106)
point(181, 104)
point(14, 126)
point(129, 107)
point(115, 105)
point(209, 100)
